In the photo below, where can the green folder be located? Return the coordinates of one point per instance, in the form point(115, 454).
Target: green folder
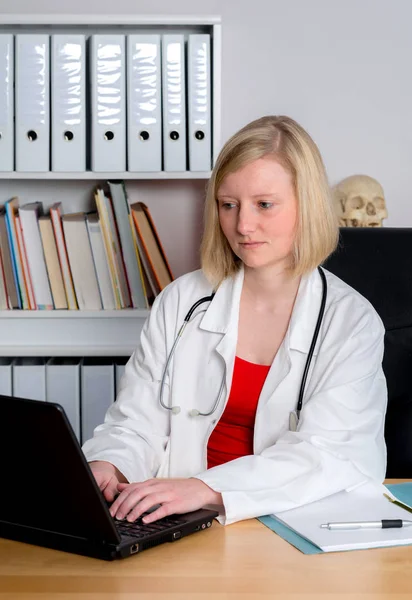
point(402, 491)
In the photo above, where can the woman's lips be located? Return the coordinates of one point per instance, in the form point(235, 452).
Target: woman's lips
point(251, 245)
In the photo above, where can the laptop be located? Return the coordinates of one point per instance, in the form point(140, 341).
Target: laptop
point(50, 497)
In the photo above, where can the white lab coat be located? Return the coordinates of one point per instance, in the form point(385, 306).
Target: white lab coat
point(340, 437)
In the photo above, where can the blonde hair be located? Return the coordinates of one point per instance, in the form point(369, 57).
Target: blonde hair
point(290, 145)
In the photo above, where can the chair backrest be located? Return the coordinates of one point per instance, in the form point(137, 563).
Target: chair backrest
point(377, 262)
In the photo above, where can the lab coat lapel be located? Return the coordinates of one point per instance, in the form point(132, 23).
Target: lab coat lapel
point(278, 372)
point(222, 317)
point(298, 335)
point(305, 313)
point(223, 311)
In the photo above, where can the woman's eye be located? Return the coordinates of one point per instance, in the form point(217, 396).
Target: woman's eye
point(227, 205)
point(265, 205)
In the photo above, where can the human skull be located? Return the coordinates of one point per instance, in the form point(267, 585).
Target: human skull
point(360, 202)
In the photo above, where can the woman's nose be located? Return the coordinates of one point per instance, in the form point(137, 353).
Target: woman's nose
point(246, 221)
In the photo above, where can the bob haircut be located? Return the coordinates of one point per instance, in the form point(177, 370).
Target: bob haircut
point(317, 229)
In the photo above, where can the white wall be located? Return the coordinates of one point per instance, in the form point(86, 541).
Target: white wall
point(342, 68)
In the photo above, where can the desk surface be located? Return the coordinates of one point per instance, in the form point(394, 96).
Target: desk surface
point(245, 560)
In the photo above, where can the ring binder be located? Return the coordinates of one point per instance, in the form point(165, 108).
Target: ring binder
point(32, 100)
point(108, 103)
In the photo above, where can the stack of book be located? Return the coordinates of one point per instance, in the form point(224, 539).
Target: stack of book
point(109, 258)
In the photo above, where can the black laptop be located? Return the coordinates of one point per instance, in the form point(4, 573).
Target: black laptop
point(50, 497)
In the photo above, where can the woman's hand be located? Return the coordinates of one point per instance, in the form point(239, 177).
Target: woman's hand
point(107, 478)
point(175, 496)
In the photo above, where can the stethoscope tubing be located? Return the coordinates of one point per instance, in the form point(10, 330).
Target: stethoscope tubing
point(314, 340)
point(194, 412)
point(176, 409)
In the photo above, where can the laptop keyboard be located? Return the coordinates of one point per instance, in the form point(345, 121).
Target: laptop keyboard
point(142, 530)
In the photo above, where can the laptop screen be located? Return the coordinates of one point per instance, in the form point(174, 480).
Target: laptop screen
point(49, 483)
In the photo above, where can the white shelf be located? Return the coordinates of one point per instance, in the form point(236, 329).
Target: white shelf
point(66, 351)
point(123, 20)
point(70, 332)
point(126, 313)
point(51, 175)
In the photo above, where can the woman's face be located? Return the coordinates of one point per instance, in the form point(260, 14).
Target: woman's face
point(257, 208)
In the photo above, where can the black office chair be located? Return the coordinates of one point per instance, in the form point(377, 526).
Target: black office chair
point(378, 264)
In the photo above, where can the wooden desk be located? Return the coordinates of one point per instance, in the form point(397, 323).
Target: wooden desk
point(244, 560)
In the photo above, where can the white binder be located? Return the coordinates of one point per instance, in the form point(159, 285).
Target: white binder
point(174, 102)
point(32, 101)
point(6, 102)
point(97, 393)
point(63, 387)
point(68, 102)
point(108, 103)
point(144, 112)
point(6, 387)
point(199, 102)
point(29, 378)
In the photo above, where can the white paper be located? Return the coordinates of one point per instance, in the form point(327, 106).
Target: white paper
point(365, 503)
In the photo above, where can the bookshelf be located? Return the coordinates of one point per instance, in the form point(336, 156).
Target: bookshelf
point(70, 333)
point(175, 199)
point(88, 175)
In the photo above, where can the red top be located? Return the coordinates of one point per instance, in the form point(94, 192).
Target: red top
point(233, 435)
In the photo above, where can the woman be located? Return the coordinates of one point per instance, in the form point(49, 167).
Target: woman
point(222, 428)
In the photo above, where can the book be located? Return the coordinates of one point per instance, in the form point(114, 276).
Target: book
point(81, 261)
point(52, 262)
point(151, 285)
point(25, 265)
point(148, 290)
point(367, 502)
point(12, 207)
point(11, 282)
point(118, 255)
point(33, 249)
point(113, 249)
point(150, 245)
point(100, 261)
point(56, 219)
point(4, 302)
point(131, 259)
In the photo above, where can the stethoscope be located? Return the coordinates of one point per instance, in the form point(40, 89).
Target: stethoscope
point(294, 416)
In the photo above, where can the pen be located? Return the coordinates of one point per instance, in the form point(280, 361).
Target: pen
point(384, 524)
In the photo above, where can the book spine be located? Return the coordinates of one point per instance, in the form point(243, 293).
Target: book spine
point(63, 258)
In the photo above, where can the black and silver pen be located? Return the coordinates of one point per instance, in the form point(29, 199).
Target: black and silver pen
point(384, 524)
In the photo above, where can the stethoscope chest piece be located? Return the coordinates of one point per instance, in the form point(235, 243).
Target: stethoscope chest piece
point(293, 421)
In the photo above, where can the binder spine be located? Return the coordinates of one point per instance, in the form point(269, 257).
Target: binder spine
point(29, 378)
point(32, 102)
point(144, 133)
point(68, 92)
point(6, 103)
point(199, 103)
point(108, 103)
point(174, 103)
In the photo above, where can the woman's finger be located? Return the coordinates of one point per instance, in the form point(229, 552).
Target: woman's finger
point(109, 489)
point(122, 502)
point(146, 504)
point(166, 509)
point(147, 483)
